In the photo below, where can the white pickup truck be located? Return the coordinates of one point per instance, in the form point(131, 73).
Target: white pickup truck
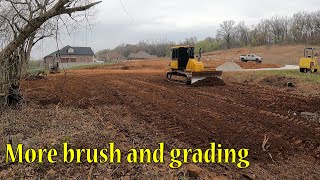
point(250, 57)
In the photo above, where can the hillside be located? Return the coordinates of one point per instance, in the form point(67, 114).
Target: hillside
point(284, 54)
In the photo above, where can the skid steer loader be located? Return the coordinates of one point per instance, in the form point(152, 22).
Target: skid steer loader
point(309, 63)
point(185, 68)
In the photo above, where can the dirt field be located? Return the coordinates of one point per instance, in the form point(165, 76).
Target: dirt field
point(283, 54)
point(133, 105)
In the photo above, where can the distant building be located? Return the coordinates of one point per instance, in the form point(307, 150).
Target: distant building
point(141, 55)
point(71, 55)
point(111, 56)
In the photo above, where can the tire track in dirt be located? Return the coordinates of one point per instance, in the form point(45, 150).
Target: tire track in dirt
point(286, 118)
point(264, 109)
point(294, 137)
point(270, 98)
point(279, 117)
point(171, 126)
point(244, 128)
point(198, 116)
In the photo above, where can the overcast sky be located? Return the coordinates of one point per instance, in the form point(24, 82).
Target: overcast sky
point(129, 21)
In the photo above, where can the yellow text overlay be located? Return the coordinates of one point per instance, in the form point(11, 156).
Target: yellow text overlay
point(178, 156)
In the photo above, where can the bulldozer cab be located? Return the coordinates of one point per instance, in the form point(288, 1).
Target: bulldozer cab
point(308, 53)
point(185, 68)
point(182, 54)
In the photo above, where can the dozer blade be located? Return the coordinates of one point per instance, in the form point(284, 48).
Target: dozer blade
point(198, 76)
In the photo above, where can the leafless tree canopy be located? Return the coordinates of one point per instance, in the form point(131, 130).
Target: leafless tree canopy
point(302, 28)
point(226, 31)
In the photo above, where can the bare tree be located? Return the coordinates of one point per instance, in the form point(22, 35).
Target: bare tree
point(226, 32)
point(314, 27)
point(261, 34)
point(298, 27)
point(242, 34)
point(190, 41)
point(278, 28)
point(22, 20)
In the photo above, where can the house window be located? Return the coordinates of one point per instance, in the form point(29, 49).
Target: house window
point(70, 50)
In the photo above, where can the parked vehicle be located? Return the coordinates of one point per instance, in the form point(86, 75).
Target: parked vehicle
point(250, 57)
point(98, 61)
point(309, 62)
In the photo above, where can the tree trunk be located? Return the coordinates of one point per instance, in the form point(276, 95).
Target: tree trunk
point(25, 55)
point(3, 85)
point(10, 80)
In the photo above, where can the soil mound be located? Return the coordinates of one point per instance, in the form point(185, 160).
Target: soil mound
point(279, 81)
point(209, 81)
point(229, 66)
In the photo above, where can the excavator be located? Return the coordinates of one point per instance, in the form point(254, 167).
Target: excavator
point(185, 68)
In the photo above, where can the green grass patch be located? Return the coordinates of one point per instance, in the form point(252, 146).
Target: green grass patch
point(253, 75)
point(33, 71)
point(90, 66)
point(34, 67)
point(301, 77)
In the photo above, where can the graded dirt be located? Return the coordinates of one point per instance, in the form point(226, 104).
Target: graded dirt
point(140, 107)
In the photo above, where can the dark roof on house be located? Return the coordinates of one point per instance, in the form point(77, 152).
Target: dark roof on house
point(76, 51)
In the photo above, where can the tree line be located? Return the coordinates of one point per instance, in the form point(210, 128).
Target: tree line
point(300, 28)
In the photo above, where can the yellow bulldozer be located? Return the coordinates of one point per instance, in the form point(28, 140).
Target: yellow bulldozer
point(309, 63)
point(185, 68)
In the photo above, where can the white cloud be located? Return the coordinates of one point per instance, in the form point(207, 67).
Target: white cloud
point(127, 21)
